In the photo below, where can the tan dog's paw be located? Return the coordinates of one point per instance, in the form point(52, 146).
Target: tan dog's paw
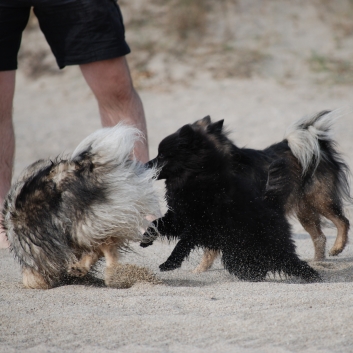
point(200, 268)
point(207, 261)
point(77, 270)
point(336, 250)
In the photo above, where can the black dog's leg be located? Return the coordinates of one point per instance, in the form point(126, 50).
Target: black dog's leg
point(246, 268)
point(293, 266)
point(166, 226)
point(176, 258)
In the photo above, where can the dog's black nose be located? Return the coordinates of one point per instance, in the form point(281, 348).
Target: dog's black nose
point(152, 163)
point(149, 164)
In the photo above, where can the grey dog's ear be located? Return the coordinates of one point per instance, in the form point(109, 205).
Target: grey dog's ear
point(83, 155)
point(215, 127)
point(84, 160)
point(186, 132)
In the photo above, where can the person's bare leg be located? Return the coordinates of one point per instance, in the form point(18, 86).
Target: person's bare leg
point(7, 140)
point(111, 83)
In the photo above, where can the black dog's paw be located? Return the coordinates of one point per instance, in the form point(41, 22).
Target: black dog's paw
point(169, 266)
point(148, 237)
point(145, 245)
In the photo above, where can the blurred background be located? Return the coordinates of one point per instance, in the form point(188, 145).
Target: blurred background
point(258, 64)
point(174, 41)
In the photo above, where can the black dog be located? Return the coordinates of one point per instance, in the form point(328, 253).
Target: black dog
point(210, 206)
point(315, 177)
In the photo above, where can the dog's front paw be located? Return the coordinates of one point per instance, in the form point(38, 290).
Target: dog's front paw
point(148, 237)
point(145, 245)
point(169, 266)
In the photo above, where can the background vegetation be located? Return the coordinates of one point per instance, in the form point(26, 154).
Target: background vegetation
point(173, 41)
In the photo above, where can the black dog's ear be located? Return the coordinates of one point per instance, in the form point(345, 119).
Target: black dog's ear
point(203, 123)
point(215, 127)
point(206, 120)
point(186, 132)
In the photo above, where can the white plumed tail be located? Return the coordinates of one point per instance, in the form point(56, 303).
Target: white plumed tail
point(104, 144)
point(304, 135)
point(128, 184)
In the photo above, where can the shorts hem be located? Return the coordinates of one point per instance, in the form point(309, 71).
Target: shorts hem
point(8, 68)
point(87, 59)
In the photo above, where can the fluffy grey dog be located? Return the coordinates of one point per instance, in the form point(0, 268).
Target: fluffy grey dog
point(61, 216)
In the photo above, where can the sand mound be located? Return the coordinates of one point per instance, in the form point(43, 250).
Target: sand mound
point(126, 275)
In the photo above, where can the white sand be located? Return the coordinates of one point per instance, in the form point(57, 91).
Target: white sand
point(210, 312)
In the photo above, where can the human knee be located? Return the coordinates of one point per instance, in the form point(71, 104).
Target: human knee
point(119, 93)
point(109, 80)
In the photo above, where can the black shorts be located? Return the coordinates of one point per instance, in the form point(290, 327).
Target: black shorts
point(78, 31)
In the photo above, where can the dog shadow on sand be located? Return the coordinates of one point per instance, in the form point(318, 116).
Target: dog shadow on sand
point(332, 270)
point(90, 280)
point(335, 270)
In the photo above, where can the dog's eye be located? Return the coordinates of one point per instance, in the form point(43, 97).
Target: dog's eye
point(161, 155)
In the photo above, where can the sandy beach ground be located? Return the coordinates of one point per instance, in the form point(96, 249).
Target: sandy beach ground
point(191, 313)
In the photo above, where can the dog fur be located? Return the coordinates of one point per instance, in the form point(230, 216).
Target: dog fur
point(61, 216)
point(213, 207)
point(318, 178)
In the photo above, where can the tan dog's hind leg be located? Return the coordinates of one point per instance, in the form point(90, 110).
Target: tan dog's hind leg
point(209, 256)
point(342, 225)
point(324, 201)
point(82, 267)
point(33, 280)
point(310, 220)
point(110, 252)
